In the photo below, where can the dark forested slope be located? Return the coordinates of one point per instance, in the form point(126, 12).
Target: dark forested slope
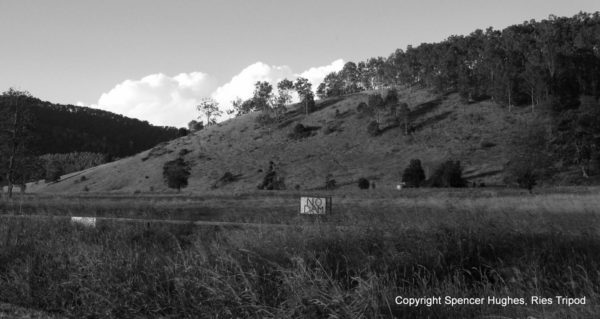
point(59, 128)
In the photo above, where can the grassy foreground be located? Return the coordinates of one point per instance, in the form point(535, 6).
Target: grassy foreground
point(463, 249)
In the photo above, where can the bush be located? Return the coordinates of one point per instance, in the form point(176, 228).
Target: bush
point(264, 119)
point(373, 128)
point(272, 181)
point(448, 174)
point(391, 98)
point(301, 131)
point(527, 180)
point(330, 183)
point(362, 108)
point(413, 175)
point(363, 183)
point(176, 173)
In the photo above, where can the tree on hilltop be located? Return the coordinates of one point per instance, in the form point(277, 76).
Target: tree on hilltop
point(304, 89)
point(210, 109)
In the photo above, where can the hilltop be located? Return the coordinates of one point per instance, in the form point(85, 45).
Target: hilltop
point(477, 134)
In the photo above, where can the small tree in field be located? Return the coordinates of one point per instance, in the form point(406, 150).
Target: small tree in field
point(413, 175)
point(363, 183)
point(176, 173)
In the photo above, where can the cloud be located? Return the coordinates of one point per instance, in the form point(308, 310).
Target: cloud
point(158, 98)
point(170, 100)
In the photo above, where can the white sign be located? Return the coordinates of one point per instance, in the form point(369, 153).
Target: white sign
point(84, 221)
point(315, 205)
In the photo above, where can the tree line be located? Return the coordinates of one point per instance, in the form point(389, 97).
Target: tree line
point(529, 63)
point(30, 128)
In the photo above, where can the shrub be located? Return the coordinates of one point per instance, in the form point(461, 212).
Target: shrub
point(391, 98)
point(527, 179)
point(362, 108)
point(272, 181)
point(448, 174)
point(264, 119)
point(176, 173)
point(487, 144)
point(184, 152)
point(373, 128)
point(330, 183)
point(301, 131)
point(413, 175)
point(363, 183)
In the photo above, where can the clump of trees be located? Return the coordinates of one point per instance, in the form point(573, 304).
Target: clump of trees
point(176, 173)
point(272, 104)
point(447, 174)
point(413, 175)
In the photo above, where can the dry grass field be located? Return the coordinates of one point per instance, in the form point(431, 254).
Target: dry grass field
point(457, 243)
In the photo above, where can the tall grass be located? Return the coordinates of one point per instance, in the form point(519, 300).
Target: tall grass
point(465, 250)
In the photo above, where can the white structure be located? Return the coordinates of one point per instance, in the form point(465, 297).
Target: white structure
point(315, 205)
point(84, 221)
point(399, 186)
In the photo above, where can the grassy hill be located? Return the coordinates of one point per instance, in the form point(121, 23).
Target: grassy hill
point(477, 134)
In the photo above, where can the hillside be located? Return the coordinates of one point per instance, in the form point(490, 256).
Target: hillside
point(445, 128)
point(57, 128)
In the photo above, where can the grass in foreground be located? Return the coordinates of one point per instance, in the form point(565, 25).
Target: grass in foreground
point(310, 272)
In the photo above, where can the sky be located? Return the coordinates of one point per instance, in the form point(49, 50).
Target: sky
point(155, 60)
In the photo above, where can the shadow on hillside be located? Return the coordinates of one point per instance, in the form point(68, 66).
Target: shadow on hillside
point(484, 174)
point(431, 120)
point(425, 108)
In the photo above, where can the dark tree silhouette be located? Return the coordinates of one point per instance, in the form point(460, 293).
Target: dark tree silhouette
point(176, 173)
point(413, 175)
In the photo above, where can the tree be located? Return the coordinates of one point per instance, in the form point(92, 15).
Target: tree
point(447, 174)
point(194, 125)
point(263, 94)
point(284, 96)
point(210, 109)
point(376, 106)
point(238, 107)
point(413, 175)
point(176, 173)
point(15, 135)
point(404, 116)
point(531, 156)
point(363, 183)
point(54, 170)
point(304, 89)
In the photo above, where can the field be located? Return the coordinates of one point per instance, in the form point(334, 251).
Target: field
point(376, 245)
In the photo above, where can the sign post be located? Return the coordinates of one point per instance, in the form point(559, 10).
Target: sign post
point(315, 205)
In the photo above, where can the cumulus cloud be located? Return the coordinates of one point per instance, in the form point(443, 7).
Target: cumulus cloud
point(158, 98)
point(170, 100)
